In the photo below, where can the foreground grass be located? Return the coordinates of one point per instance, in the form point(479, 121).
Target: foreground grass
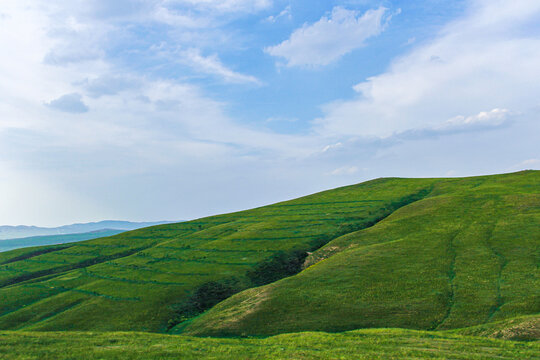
point(359, 344)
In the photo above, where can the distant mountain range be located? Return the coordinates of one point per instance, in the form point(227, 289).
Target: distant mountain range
point(23, 231)
point(11, 244)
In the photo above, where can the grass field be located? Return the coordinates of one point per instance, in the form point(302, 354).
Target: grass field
point(358, 344)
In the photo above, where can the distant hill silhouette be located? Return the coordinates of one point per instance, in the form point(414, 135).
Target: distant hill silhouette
point(22, 231)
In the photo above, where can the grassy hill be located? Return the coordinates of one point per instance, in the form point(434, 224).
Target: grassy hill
point(152, 278)
point(412, 253)
point(359, 344)
point(466, 254)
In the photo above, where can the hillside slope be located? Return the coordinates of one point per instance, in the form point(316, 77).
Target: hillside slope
point(154, 278)
point(466, 254)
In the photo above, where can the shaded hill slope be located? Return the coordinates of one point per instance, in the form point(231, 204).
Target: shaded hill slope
point(466, 254)
point(154, 278)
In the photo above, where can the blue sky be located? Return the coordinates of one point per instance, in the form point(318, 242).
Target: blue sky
point(176, 109)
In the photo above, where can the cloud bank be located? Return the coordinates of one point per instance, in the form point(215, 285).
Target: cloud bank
point(107, 111)
point(70, 103)
point(486, 60)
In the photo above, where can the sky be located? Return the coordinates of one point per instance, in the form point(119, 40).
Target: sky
point(149, 110)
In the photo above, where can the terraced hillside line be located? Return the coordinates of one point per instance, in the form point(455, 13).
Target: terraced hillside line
point(47, 316)
point(96, 294)
point(34, 254)
point(61, 269)
point(130, 281)
point(451, 276)
point(85, 292)
point(46, 296)
point(157, 271)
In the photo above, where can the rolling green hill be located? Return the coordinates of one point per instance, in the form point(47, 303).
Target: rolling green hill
point(152, 278)
point(466, 254)
point(412, 253)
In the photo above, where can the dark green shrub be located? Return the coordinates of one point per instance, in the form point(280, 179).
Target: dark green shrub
point(203, 298)
point(281, 264)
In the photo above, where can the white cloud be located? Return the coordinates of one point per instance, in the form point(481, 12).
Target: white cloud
point(486, 60)
point(226, 5)
point(345, 170)
point(329, 38)
point(168, 16)
point(141, 130)
point(212, 65)
point(485, 120)
point(459, 125)
point(410, 41)
point(168, 142)
point(70, 103)
point(203, 14)
point(526, 165)
point(107, 84)
point(283, 13)
point(332, 146)
point(281, 119)
point(138, 108)
point(492, 118)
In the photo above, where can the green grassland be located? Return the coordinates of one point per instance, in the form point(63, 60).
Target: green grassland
point(454, 263)
point(358, 344)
